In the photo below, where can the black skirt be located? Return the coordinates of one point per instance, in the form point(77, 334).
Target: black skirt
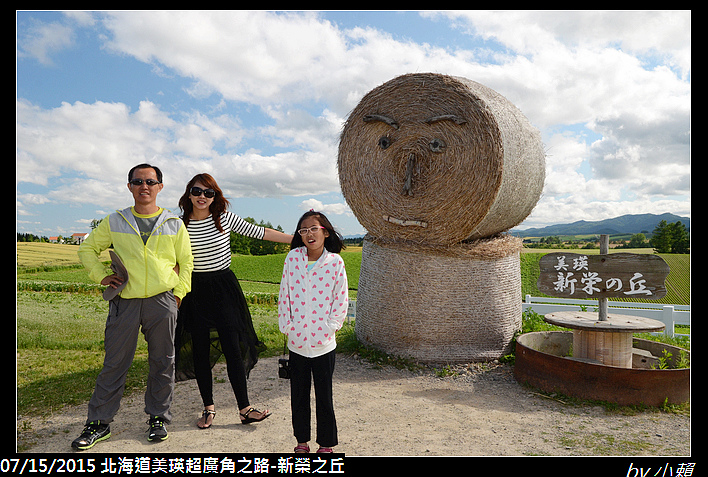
point(215, 301)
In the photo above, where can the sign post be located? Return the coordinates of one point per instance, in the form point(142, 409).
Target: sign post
point(602, 301)
point(603, 337)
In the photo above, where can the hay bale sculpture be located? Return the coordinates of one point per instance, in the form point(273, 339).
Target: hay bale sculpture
point(436, 168)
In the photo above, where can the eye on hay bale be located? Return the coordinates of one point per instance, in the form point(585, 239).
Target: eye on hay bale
point(440, 305)
point(439, 159)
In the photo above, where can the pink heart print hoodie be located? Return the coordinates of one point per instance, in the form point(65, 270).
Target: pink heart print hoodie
point(312, 303)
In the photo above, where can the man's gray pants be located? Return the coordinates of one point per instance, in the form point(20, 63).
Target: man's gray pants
point(157, 318)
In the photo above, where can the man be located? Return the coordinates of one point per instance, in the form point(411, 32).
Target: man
point(153, 245)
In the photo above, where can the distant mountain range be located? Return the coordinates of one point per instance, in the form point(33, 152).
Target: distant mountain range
point(625, 224)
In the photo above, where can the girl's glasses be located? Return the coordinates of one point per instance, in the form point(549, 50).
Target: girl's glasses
point(197, 191)
point(312, 230)
point(150, 182)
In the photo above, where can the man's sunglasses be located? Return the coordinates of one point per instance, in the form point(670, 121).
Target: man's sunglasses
point(197, 191)
point(150, 182)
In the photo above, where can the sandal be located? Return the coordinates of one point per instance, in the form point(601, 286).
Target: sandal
point(247, 420)
point(324, 450)
point(302, 449)
point(205, 414)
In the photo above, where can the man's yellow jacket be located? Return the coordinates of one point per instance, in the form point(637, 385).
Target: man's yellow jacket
point(151, 265)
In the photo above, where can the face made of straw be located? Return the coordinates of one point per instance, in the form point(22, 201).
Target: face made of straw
point(420, 161)
point(415, 162)
point(436, 145)
point(439, 159)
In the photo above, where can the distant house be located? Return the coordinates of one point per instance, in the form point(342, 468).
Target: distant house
point(78, 238)
point(54, 239)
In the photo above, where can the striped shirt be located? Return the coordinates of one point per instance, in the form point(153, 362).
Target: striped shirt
point(211, 248)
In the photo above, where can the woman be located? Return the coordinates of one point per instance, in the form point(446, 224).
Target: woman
point(216, 303)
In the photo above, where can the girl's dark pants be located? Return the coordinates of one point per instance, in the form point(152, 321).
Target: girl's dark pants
point(303, 371)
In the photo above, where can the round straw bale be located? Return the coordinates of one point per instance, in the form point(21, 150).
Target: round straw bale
point(435, 158)
point(440, 308)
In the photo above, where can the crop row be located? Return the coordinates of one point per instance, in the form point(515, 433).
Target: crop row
point(260, 275)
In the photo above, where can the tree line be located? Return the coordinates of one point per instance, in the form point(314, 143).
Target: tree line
point(671, 238)
point(240, 244)
point(243, 245)
point(665, 238)
point(30, 238)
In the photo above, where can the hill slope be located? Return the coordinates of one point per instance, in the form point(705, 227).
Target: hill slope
point(625, 224)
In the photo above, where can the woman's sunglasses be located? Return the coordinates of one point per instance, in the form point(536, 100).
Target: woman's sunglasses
point(197, 191)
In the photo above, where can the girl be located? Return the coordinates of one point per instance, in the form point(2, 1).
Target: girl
point(311, 307)
point(216, 301)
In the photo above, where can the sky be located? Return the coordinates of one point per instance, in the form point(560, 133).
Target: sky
point(258, 100)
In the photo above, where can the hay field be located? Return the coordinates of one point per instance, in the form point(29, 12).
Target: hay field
point(38, 254)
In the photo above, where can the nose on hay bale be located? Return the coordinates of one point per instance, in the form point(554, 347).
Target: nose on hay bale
point(439, 159)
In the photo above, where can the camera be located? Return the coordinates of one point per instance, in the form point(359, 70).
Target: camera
point(284, 368)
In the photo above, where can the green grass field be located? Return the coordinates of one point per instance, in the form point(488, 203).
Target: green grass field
point(61, 318)
point(260, 275)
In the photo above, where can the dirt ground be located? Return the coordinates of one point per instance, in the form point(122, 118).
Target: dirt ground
point(480, 411)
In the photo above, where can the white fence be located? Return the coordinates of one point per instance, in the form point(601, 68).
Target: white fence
point(670, 315)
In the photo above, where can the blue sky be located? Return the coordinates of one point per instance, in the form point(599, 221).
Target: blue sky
point(258, 99)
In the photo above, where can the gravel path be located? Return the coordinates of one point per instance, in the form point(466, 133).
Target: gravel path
point(480, 411)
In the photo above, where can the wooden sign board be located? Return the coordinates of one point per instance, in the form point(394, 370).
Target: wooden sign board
point(625, 275)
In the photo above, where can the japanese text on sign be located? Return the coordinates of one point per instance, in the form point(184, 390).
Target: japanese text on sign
point(601, 276)
point(589, 279)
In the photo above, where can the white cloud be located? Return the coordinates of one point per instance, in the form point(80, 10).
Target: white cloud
point(622, 75)
point(253, 56)
point(659, 33)
point(318, 206)
point(598, 69)
point(43, 40)
point(102, 141)
point(95, 140)
point(565, 155)
point(552, 210)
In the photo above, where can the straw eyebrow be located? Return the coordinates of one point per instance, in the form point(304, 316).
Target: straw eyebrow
point(446, 117)
point(380, 117)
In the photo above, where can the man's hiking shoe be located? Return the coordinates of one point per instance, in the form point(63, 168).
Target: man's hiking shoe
point(156, 431)
point(93, 432)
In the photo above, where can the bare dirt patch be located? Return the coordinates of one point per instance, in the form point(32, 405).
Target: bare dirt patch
point(479, 411)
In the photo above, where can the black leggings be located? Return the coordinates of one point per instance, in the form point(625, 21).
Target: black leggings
point(234, 364)
point(303, 371)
